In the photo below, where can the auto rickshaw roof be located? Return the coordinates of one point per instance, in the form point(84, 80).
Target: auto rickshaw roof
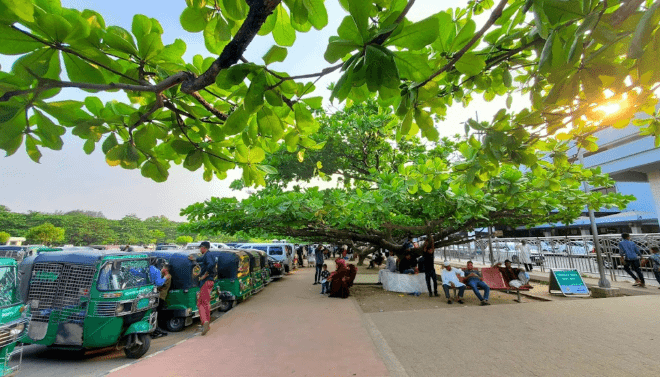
point(89, 256)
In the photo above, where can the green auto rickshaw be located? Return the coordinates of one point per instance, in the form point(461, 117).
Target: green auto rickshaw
point(255, 270)
point(181, 300)
point(234, 274)
point(265, 267)
point(87, 299)
point(14, 317)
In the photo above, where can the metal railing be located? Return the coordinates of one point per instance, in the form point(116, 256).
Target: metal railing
point(574, 252)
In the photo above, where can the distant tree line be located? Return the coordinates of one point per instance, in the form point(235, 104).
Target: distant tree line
point(89, 228)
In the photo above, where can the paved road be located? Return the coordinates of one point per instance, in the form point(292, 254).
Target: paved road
point(40, 361)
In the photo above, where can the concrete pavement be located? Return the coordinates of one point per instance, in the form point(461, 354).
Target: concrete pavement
point(289, 329)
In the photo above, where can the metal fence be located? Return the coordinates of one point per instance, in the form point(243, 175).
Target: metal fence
point(574, 252)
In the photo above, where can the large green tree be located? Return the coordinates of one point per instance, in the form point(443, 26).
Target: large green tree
point(394, 186)
point(218, 112)
point(45, 233)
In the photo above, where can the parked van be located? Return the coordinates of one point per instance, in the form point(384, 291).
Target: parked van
point(279, 251)
point(214, 245)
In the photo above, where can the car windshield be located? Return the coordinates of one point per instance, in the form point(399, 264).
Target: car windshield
point(275, 250)
point(123, 274)
point(8, 294)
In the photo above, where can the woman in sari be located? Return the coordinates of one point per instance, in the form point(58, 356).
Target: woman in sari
point(339, 280)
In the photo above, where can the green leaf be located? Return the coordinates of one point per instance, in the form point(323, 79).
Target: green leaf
point(215, 35)
point(79, 70)
point(14, 42)
point(234, 9)
point(470, 64)
point(149, 46)
point(298, 12)
point(141, 26)
point(48, 132)
point(642, 32)
point(31, 147)
point(145, 137)
point(194, 20)
point(304, 119)
point(36, 63)
point(316, 13)
point(194, 160)
point(418, 35)
point(182, 146)
point(337, 49)
point(256, 155)
point(359, 11)
point(12, 126)
point(155, 170)
point(89, 146)
point(269, 25)
point(268, 169)
point(291, 139)
point(237, 121)
point(120, 40)
point(314, 102)
point(269, 123)
point(275, 54)
point(349, 31)
point(109, 143)
point(22, 8)
point(464, 36)
point(412, 66)
point(254, 98)
point(283, 32)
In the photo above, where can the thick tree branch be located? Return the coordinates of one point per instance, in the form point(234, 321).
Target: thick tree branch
point(259, 11)
point(50, 84)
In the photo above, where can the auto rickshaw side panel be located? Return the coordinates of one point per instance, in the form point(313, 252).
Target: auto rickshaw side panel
point(14, 316)
point(234, 274)
point(255, 270)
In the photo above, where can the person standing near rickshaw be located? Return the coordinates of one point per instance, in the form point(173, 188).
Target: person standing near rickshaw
point(162, 295)
point(206, 263)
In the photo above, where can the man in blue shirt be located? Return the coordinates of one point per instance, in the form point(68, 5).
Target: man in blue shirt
point(206, 276)
point(630, 256)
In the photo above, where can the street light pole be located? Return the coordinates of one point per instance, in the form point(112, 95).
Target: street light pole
point(602, 282)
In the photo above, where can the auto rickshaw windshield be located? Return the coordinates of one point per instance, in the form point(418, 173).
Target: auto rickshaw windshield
point(8, 283)
point(123, 274)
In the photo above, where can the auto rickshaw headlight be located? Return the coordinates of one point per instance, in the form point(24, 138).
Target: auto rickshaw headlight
point(22, 309)
point(17, 330)
point(120, 308)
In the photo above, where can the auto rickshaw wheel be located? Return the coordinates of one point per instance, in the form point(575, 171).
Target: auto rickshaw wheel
point(136, 351)
point(226, 305)
point(175, 324)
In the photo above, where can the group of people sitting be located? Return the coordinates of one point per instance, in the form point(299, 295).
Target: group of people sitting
point(337, 283)
point(456, 278)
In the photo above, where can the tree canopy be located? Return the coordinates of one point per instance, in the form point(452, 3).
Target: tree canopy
point(392, 189)
point(218, 112)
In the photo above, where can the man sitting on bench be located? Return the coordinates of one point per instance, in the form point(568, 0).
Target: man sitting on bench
point(474, 279)
point(450, 278)
point(516, 277)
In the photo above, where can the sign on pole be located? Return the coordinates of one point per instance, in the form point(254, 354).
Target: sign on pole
point(567, 283)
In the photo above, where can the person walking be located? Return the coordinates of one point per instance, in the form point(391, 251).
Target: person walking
point(206, 276)
point(318, 261)
point(630, 257)
point(524, 256)
point(299, 251)
point(428, 251)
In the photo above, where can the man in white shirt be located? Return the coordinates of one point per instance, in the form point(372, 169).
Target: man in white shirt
point(451, 279)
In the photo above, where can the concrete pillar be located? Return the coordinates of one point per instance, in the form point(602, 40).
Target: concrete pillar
point(654, 182)
point(635, 229)
point(585, 232)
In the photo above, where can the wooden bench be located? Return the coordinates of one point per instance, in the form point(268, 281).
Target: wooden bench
point(493, 277)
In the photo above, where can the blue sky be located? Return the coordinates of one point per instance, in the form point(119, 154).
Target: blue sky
point(69, 179)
